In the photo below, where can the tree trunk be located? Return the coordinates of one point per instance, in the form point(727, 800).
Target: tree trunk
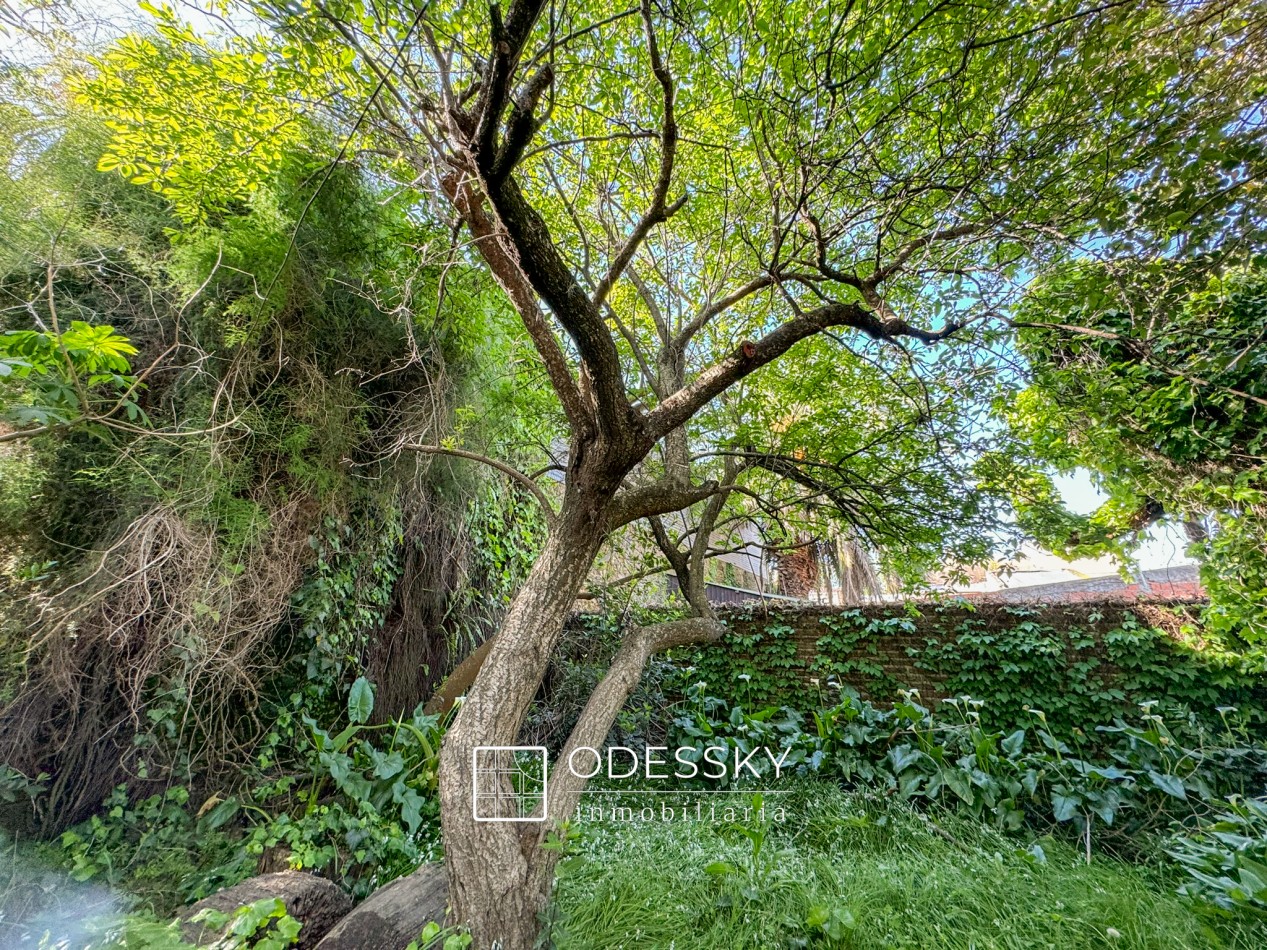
point(499, 875)
point(497, 887)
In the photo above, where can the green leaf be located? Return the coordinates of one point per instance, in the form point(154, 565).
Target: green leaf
point(1014, 743)
point(959, 783)
point(1064, 805)
point(360, 701)
point(1170, 784)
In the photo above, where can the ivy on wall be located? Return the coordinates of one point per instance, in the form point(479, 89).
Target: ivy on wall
point(1081, 663)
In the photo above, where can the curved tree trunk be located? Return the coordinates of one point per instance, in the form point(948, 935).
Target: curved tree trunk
point(496, 887)
point(499, 875)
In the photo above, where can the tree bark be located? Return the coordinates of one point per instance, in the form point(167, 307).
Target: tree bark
point(499, 875)
point(608, 698)
point(495, 884)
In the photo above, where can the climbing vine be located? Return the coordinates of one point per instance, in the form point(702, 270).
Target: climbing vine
point(1080, 664)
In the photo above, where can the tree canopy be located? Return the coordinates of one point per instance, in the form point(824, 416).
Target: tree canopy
point(871, 268)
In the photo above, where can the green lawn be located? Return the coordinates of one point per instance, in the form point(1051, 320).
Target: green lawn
point(883, 875)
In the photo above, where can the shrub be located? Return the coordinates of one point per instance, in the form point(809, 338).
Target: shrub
point(1226, 858)
point(1140, 776)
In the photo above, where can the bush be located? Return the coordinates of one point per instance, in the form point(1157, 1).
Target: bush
point(1140, 776)
point(1226, 859)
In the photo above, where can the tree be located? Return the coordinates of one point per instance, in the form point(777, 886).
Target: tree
point(1146, 368)
point(675, 197)
point(1158, 388)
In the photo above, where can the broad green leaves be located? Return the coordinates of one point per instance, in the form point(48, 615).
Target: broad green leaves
point(360, 701)
point(1158, 387)
point(201, 124)
point(51, 379)
point(1226, 858)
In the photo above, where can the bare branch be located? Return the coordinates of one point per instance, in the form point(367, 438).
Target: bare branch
point(942, 234)
point(510, 471)
point(716, 308)
point(660, 210)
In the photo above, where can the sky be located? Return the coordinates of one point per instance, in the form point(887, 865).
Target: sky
point(1166, 543)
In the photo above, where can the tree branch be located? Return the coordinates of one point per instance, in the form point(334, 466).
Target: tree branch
point(508, 470)
point(700, 320)
point(523, 123)
point(658, 498)
point(608, 698)
point(508, 40)
point(678, 408)
point(660, 210)
point(492, 244)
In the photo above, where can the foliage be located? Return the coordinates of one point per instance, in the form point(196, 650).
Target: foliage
point(155, 849)
point(833, 173)
point(358, 806)
point(1225, 858)
point(60, 372)
point(1079, 664)
point(262, 925)
point(874, 448)
point(1087, 675)
point(435, 937)
point(261, 537)
point(345, 597)
point(877, 191)
point(1161, 396)
point(139, 931)
point(590, 641)
point(369, 811)
point(204, 125)
point(1144, 774)
point(861, 870)
point(14, 785)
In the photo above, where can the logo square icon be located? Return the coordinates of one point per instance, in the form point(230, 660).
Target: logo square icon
point(509, 783)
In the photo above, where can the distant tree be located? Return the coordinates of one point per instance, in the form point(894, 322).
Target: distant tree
point(1159, 388)
point(1147, 366)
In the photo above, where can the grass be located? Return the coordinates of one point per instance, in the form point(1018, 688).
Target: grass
point(894, 879)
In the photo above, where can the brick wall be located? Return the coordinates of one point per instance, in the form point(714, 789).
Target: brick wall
point(793, 653)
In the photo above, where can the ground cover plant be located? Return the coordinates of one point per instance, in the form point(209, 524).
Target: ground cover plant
point(867, 871)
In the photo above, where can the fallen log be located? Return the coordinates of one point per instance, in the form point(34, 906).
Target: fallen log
point(394, 915)
point(316, 903)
